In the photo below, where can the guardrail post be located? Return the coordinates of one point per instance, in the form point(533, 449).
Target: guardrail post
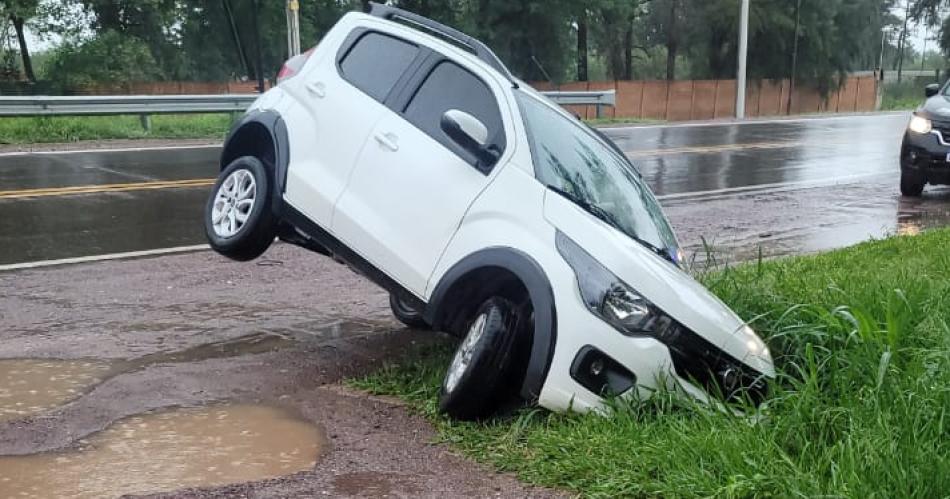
point(146, 120)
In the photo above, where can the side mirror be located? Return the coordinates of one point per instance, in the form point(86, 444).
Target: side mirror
point(470, 134)
point(931, 90)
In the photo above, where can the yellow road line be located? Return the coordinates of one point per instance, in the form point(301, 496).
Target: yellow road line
point(713, 149)
point(103, 188)
point(203, 182)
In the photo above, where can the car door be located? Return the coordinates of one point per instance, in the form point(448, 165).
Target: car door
point(343, 96)
point(412, 184)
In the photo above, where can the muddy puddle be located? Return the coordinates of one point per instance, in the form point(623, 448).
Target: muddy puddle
point(167, 451)
point(32, 386)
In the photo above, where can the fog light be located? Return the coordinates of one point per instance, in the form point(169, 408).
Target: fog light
point(601, 374)
point(596, 367)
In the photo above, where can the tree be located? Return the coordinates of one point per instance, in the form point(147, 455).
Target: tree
point(110, 57)
point(582, 52)
point(612, 30)
point(17, 12)
point(835, 37)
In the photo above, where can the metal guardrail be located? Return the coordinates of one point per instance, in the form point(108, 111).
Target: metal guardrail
point(582, 98)
point(145, 105)
point(44, 105)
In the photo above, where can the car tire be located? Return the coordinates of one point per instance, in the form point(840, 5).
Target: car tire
point(470, 389)
point(406, 314)
point(911, 184)
point(242, 191)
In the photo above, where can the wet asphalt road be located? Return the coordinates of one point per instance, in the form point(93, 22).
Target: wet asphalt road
point(785, 187)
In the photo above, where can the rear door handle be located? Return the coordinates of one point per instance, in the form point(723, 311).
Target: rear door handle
point(388, 140)
point(318, 89)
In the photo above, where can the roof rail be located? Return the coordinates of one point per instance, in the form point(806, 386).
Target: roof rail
point(439, 30)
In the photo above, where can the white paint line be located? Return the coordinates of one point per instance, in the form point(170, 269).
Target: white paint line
point(756, 121)
point(107, 150)
point(776, 187)
point(100, 258)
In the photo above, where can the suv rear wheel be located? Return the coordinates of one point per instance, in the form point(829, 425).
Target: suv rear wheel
point(470, 389)
point(406, 314)
point(238, 221)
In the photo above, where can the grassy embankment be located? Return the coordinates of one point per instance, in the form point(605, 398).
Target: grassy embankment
point(860, 409)
point(904, 96)
point(181, 126)
point(75, 128)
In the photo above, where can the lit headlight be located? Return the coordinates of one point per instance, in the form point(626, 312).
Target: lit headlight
point(610, 298)
point(920, 125)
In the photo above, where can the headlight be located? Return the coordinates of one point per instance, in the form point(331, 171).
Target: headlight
point(920, 125)
point(609, 298)
point(754, 343)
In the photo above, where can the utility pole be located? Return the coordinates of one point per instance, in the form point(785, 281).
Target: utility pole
point(798, 23)
point(293, 28)
point(743, 56)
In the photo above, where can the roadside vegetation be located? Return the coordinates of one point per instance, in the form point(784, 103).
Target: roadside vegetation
point(860, 409)
point(907, 95)
point(71, 129)
point(60, 129)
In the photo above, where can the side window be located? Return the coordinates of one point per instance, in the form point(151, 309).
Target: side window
point(375, 62)
point(449, 86)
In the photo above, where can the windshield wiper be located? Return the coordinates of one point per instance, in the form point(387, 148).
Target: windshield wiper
point(610, 219)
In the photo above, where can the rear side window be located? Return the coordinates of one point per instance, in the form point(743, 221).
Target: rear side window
point(447, 87)
point(375, 62)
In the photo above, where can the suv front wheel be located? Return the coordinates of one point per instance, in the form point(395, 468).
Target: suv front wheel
point(238, 221)
point(471, 387)
point(911, 184)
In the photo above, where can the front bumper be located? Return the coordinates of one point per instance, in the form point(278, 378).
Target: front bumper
point(684, 360)
point(925, 155)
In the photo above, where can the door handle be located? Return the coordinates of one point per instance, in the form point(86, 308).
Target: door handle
point(318, 89)
point(388, 140)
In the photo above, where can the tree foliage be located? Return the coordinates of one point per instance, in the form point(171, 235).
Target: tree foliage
point(538, 39)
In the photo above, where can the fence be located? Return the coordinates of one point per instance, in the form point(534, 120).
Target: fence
point(659, 100)
point(711, 99)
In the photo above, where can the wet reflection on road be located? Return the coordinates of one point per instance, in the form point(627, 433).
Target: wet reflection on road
point(743, 227)
point(168, 451)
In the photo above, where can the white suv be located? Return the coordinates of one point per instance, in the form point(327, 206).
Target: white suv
point(406, 149)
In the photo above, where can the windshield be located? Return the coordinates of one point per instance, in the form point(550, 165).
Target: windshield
point(574, 162)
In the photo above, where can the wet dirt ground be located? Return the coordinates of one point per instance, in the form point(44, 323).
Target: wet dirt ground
point(135, 338)
point(88, 352)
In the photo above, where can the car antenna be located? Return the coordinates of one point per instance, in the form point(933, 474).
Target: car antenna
point(545, 73)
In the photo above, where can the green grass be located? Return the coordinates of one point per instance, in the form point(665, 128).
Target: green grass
point(74, 128)
point(860, 409)
point(906, 95)
point(175, 126)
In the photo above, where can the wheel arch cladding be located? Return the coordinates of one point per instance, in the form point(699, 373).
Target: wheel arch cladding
point(261, 134)
point(448, 296)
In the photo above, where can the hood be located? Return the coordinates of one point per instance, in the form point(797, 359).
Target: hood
point(658, 280)
point(936, 108)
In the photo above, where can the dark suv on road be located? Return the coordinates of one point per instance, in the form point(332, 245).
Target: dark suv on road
point(925, 153)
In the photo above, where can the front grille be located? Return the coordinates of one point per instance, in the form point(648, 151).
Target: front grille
point(699, 361)
point(944, 128)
